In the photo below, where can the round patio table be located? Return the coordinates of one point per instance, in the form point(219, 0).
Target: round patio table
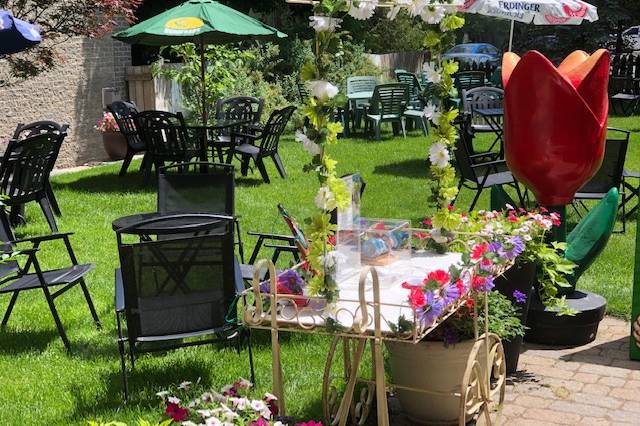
point(145, 224)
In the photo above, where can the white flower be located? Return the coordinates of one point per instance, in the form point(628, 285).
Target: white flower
point(204, 413)
point(184, 385)
point(162, 394)
point(324, 23)
point(212, 421)
point(433, 14)
point(257, 405)
point(270, 397)
point(393, 11)
point(439, 155)
point(435, 117)
point(416, 7)
point(434, 74)
point(173, 400)
point(321, 89)
point(194, 403)
point(332, 259)
point(240, 403)
point(430, 109)
point(189, 423)
point(437, 236)
point(364, 10)
point(325, 200)
point(278, 423)
point(310, 146)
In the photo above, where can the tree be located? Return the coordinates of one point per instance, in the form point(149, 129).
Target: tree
point(59, 20)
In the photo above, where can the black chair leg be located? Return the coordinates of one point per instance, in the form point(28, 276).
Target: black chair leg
point(56, 318)
point(6, 232)
point(126, 162)
point(92, 308)
point(263, 170)
point(279, 165)
point(52, 200)
point(7, 313)
point(244, 166)
point(240, 245)
point(123, 359)
point(17, 215)
point(48, 213)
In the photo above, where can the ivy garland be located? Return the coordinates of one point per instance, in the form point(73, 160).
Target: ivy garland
point(323, 129)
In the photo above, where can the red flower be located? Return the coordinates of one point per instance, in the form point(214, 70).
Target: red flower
point(460, 286)
point(479, 250)
point(416, 298)
point(440, 276)
point(512, 218)
point(273, 406)
point(427, 222)
point(451, 208)
point(469, 303)
point(421, 235)
point(379, 226)
point(177, 413)
point(332, 240)
point(259, 422)
point(410, 286)
point(309, 423)
point(562, 122)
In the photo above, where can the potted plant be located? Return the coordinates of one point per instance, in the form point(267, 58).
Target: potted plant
point(115, 144)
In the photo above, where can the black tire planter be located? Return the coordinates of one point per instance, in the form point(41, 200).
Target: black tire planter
point(520, 277)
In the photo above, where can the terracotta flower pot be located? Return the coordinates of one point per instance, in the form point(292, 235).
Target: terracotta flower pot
point(115, 145)
point(429, 366)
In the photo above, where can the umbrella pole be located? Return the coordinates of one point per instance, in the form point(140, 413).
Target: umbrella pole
point(513, 23)
point(204, 84)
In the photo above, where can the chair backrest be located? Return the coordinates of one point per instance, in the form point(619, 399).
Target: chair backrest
point(590, 236)
point(196, 188)
point(462, 153)
point(415, 88)
point(481, 98)
point(390, 99)
point(27, 164)
point(125, 115)
point(274, 128)
point(361, 84)
point(467, 80)
point(609, 175)
point(303, 92)
point(24, 131)
point(240, 108)
point(165, 133)
point(178, 286)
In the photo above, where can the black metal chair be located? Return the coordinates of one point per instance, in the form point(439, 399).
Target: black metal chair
point(199, 187)
point(388, 104)
point(264, 144)
point(24, 131)
point(610, 174)
point(173, 289)
point(125, 115)
point(633, 191)
point(16, 279)
point(24, 174)
point(167, 140)
point(475, 172)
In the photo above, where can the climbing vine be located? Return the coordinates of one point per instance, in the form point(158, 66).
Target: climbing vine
point(323, 127)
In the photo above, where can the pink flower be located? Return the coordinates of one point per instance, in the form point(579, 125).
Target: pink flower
point(177, 413)
point(309, 423)
point(479, 250)
point(416, 298)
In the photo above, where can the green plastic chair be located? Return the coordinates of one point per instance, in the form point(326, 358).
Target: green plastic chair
point(590, 236)
point(357, 106)
point(388, 104)
point(415, 110)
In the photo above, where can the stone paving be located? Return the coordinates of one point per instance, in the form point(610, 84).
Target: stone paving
point(595, 384)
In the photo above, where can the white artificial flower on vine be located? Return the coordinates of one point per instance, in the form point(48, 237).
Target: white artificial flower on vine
point(395, 9)
point(435, 117)
point(439, 155)
point(325, 199)
point(310, 146)
point(433, 15)
point(416, 7)
point(321, 89)
point(434, 74)
point(324, 23)
point(364, 9)
point(430, 110)
point(332, 259)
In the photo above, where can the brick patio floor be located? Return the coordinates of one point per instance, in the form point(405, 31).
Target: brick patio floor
point(595, 384)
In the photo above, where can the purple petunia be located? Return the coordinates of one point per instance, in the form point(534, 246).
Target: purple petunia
point(430, 313)
point(513, 248)
point(520, 297)
point(495, 246)
point(450, 293)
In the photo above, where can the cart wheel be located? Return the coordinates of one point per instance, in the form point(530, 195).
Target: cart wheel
point(334, 380)
point(481, 398)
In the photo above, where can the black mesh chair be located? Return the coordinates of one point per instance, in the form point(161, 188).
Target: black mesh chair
point(124, 113)
point(264, 144)
point(16, 278)
point(24, 174)
point(177, 292)
point(199, 187)
point(24, 131)
point(167, 139)
point(475, 171)
point(609, 175)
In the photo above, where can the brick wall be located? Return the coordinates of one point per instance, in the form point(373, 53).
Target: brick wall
point(70, 93)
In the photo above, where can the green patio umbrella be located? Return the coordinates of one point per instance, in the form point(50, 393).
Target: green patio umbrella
point(201, 22)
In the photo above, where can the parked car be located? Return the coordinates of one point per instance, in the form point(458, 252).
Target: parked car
point(630, 38)
point(479, 53)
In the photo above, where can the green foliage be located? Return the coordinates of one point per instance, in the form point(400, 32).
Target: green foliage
point(380, 35)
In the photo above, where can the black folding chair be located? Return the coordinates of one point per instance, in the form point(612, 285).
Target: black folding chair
point(476, 173)
point(610, 174)
point(199, 187)
point(264, 144)
point(24, 131)
point(24, 174)
point(167, 140)
point(124, 113)
point(177, 292)
point(15, 279)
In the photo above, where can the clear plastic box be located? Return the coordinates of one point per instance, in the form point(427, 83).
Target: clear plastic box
point(384, 241)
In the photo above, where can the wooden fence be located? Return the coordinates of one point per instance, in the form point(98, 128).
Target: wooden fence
point(409, 61)
point(153, 93)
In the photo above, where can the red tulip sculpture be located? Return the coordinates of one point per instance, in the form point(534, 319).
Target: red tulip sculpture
point(555, 121)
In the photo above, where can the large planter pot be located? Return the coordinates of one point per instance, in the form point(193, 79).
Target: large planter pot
point(115, 145)
point(520, 277)
point(433, 367)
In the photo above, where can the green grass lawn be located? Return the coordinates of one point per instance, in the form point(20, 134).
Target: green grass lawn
point(41, 384)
